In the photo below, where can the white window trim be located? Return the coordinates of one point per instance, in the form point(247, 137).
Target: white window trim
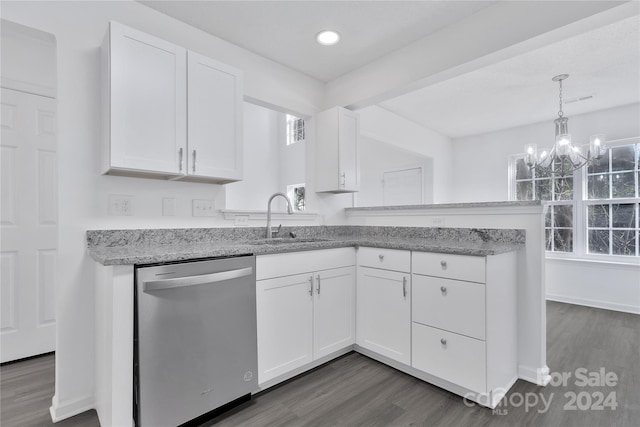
point(580, 203)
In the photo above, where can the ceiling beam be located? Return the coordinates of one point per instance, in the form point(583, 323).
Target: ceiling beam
point(493, 34)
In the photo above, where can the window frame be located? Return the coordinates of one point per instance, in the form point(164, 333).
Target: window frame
point(580, 204)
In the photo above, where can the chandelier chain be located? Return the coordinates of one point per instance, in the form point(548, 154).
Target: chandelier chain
point(560, 113)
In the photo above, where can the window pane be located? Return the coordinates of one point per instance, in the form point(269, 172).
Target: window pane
point(624, 242)
point(524, 190)
point(623, 185)
point(599, 241)
point(624, 216)
point(622, 158)
point(543, 189)
point(522, 170)
point(600, 165)
point(543, 173)
point(598, 187)
point(547, 240)
point(563, 188)
point(563, 240)
point(563, 216)
point(562, 168)
point(547, 217)
point(598, 216)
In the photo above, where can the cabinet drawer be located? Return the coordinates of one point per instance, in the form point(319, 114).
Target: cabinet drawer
point(387, 259)
point(460, 267)
point(287, 264)
point(449, 304)
point(455, 358)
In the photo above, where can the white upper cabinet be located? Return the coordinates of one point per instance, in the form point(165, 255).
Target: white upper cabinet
point(144, 86)
point(337, 151)
point(169, 113)
point(214, 119)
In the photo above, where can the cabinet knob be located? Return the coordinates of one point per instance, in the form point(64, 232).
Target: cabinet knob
point(381, 257)
point(443, 341)
point(443, 289)
point(443, 264)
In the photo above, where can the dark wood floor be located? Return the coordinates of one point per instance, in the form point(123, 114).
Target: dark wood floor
point(357, 391)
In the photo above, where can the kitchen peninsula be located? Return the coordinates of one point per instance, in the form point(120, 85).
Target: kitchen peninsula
point(425, 260)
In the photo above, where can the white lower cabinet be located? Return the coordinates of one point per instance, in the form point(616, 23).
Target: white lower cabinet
point(384, 303)
point(448, 319)
point(303, 317)
point(284, 311)
point(464, 328)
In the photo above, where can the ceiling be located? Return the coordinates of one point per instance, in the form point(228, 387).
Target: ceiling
point(603, 63)
point(285, 31)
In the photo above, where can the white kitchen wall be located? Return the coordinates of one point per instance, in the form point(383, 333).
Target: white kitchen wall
point(481, 174)
point(382, 125)
point(262, 135)
point(79, 28)
point(378, 157)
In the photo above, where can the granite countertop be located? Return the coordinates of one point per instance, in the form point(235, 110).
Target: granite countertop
point(128, 247)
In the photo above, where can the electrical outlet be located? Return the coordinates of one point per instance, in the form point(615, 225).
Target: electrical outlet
point(437, 222)
point(202, 207)
point(168, 206)
point(241, 220)
point(120, 205)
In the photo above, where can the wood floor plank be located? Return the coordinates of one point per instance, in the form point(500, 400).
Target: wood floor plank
point(356, 391)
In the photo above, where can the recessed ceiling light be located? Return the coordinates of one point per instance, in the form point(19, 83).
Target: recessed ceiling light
point(327, 37)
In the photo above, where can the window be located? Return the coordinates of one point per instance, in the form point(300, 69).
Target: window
point(612, 202)
point(556, 189)
point(295, 129)
point(592, 211)
point(295, 193)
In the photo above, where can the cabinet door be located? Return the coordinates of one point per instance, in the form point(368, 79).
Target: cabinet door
point(215, 119)
point(348, 132)
point(384, 313)
point(146, 92)
point(334, 310)
point(285, 324)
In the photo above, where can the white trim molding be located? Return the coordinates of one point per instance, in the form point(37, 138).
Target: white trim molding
point(67, 409)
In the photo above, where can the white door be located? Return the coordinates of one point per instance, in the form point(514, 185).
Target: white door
point(285, 321)
point(348, 132)
point(334, 310)
point(384, 313)
point(148, 105)
point(215, 119)
point(29, 217)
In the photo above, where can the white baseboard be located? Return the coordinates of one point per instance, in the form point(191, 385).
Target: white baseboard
point(62, 410)
point(626, 308)
point(539, 376)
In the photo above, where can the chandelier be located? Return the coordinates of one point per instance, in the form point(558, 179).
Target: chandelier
point(564, 157)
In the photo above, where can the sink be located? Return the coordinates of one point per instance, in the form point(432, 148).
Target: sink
point(281, 240)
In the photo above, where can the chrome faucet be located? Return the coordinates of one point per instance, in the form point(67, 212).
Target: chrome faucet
point(289, 211)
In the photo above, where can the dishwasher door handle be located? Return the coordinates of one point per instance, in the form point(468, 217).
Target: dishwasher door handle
point(181, 282)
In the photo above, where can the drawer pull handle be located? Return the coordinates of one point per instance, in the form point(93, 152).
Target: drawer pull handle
point(311, 285)
point(443, 341)
point(443, 264)
point(404, 287)
point(381, 257)
point(443, 289)
point(318, 285)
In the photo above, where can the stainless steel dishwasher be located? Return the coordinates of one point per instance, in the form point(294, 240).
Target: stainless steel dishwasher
point(195, 345)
